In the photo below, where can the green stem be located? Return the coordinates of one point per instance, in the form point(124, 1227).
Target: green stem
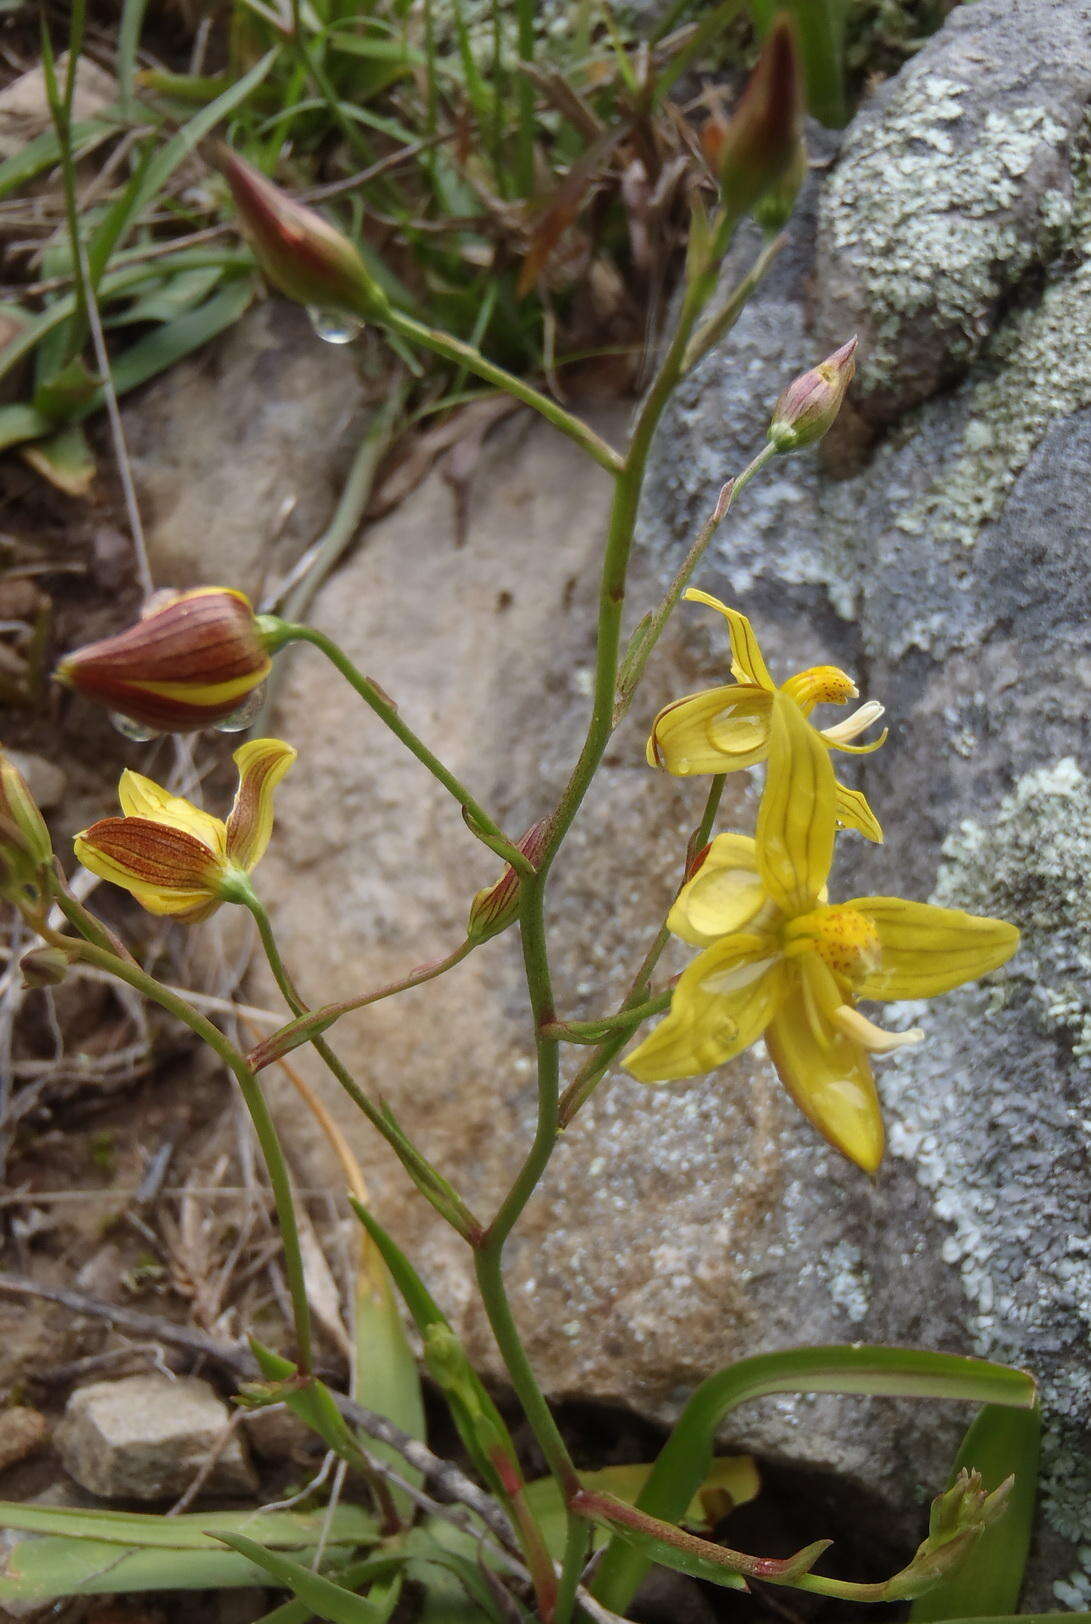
point(280, 632)
point(621, 1023)
point(465, 355)
point(634, 667)
point(594, 1069)
point(254, 1100)
point(432, 1184)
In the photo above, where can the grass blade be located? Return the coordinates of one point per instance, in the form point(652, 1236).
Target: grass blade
point(321, 1595)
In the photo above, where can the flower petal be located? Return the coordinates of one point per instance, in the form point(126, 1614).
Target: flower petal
point(721, 1005)
point(797, 815)
point(853, 812)
point(747, 664)
point(928, 950)
point(826, 1073)
point(262, 763)
point(842, 733)
point(721, 730)
point(167, 870)
point(140, 797)
point(723, 896)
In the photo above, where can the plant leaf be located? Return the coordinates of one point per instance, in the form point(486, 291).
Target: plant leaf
point(892, 1372)
point(998, 1443)
point(322, 1596)
point(65, 459)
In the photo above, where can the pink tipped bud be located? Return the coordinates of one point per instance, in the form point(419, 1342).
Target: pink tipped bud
point(297, 248)
point(762, 141)
point(810, 404)
point(497, 906)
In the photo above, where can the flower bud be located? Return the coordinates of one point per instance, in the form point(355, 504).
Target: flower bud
point(45, 966)
point(191, 660)
point(809, 405)
point(25, 845)
point(497, 906)
point(297, 248)
point(763, 139)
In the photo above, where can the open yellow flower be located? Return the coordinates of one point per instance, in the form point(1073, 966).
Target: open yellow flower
point(173, 857)
point(723, 730)
point(782, 961)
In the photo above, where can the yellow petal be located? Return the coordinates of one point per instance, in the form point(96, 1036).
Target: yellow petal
point(853, 812)
point(826, 1072)
point(747, 664)
point(723, 896)
point(167, 870)
point(141, 798)
point(262, 763)
point(820, 685)
point(721, 1005)
point(797, 815)
point(721, 730)
point(928, 950)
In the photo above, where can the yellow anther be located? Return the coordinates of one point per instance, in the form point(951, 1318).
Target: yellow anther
point(820, 685)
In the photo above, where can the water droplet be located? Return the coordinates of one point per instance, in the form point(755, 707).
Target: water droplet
point(334, 328)
point(137, 731)
point(241, 717)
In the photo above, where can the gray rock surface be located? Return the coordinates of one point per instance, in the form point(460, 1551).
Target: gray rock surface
point(955, 183)
point(239, 452)
point(146, 1437)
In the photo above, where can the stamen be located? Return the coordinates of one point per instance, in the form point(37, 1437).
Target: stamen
point(852, 726)
point(876, 1039)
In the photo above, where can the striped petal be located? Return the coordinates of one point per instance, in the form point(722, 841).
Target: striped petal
point(854, 812)
point(140, 797)
point(825, 1070)
point(747, 664)
point(721, 1005)
point(798, 811)
point(721, 730)
point(927, 950)
point(167, 870)
point(723, 896)
point(262, 763)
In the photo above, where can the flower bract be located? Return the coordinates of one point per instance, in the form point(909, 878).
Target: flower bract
point(188, 662)
point(780, 960)
point(177, 859)
point(726, 729)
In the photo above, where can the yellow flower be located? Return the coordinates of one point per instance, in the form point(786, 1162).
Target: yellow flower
point(177, 859)
point(779, 959)
point(723, 730)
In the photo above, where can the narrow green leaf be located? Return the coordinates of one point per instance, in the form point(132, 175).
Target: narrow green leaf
point(43, 1570)
point(353, 1576)
point(128, 38)
point(19, 422)
point(193, 1531)
point(890, 1372)
point(45, 150)
point(64, 459)
point(998, 1443)
point(174, 340)
point(322, 1596)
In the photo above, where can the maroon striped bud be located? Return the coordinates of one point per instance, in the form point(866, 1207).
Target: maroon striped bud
point(810, 404)
point(762, 141)
point(190, 661)
point(497, 906)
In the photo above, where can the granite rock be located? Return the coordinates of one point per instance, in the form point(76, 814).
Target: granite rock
point(146, 1438)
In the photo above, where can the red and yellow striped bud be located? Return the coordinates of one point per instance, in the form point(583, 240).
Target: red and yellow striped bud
point(497, 906)
point(297, 248)
point(763, 139)
point(190, 661)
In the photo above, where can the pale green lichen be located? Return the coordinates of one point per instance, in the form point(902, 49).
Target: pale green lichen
point(928, 220)
point(1032, 863)
point(1006, 1166)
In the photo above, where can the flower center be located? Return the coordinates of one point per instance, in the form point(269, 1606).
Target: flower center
point(820, 685)
point(847, 942)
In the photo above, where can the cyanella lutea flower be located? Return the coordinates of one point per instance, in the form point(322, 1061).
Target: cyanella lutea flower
point(177, 859)
point(723, 730)
point(780, 959)
point(188, 662)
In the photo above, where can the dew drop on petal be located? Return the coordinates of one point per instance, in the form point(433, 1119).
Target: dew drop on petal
point(139, 732)
point(334, 328)
point(242, 716)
